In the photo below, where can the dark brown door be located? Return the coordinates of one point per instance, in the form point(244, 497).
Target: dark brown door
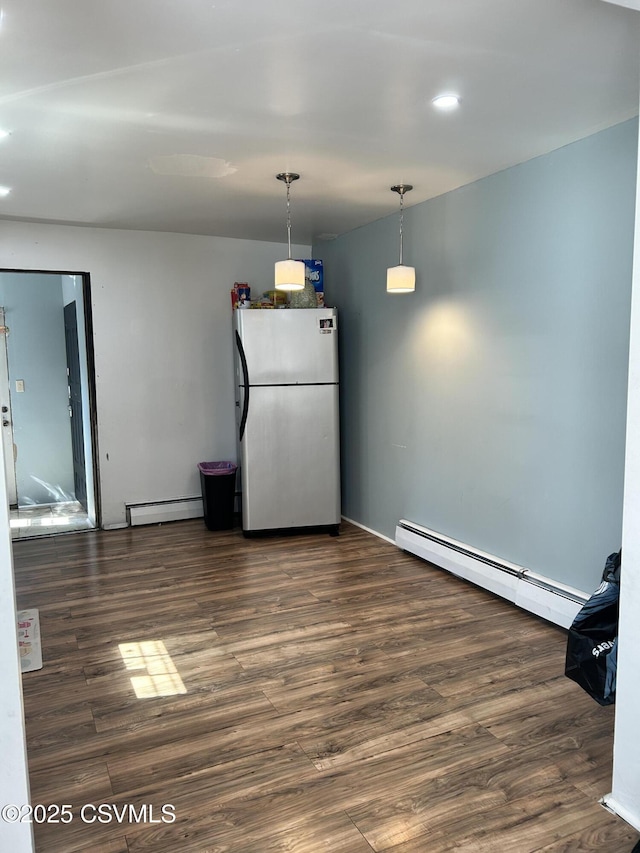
point(75, 402)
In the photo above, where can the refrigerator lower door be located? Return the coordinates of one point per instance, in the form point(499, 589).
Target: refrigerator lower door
point(290, 458)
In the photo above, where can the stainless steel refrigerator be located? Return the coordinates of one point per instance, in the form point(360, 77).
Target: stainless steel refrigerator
point(287, 417)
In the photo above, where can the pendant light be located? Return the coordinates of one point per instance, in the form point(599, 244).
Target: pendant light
point(289, 274)
point(401, 279)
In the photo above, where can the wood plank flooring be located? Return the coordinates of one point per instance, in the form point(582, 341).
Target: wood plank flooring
point(339, 696)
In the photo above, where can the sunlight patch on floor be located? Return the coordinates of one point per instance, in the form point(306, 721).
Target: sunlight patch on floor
point(161, 678)
point(46, 519)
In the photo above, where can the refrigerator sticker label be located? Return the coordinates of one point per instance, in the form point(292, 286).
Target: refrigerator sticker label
point(327, 325)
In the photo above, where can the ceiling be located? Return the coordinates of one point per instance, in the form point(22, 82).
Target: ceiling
point(176, 115)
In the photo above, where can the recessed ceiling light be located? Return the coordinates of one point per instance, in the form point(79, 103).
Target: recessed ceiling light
point(446, 102)
point(4, 133)
point(5, 191)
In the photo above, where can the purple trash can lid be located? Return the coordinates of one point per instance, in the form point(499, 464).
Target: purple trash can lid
point(216, 468)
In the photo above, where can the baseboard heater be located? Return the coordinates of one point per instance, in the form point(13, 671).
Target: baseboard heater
point(540, 595)
point(155, 512)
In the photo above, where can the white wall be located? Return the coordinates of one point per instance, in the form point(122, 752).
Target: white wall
point(163, 346)
point(625, 796)
point(14, 779)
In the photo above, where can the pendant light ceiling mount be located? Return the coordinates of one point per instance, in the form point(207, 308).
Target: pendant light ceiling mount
point(401, 189)
point(288, 177)
point(401, 279)
point(289, 274)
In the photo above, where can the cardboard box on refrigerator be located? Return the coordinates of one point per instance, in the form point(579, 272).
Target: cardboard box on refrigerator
point(314, 273)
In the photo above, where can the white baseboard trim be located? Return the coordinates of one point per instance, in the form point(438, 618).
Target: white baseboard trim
point(368, 529)
point(156, 512)
point(612, 805)
point(535, 593)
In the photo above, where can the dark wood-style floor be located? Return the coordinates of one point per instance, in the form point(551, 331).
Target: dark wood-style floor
point(340, 696)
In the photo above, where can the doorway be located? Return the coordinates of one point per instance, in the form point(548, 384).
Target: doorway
point(48, 391)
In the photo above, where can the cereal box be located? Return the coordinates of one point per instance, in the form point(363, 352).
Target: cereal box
point(314, 273)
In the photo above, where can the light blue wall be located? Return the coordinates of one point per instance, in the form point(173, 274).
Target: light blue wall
point(36, 350)
point(490, 405)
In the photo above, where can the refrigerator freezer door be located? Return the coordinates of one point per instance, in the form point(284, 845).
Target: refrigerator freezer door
point(290, 458)
point(289, 346)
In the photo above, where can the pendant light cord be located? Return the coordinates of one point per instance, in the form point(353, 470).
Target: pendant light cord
point(289, 216)
point(287, 178)
point(401, 222)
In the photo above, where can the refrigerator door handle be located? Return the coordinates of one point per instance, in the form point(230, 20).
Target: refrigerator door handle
point(245, 374)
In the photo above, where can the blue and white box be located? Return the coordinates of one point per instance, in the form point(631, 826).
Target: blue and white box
point(315, 274)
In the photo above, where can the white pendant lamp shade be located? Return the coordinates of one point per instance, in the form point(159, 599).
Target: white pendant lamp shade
point(289, 274)
point(401, 279)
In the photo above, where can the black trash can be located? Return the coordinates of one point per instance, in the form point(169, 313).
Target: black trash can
point(218, 481)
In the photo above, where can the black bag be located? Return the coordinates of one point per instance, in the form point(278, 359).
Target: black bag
point(592, 646)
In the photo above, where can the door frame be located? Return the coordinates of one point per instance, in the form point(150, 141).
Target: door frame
point(91, 372)
point(7, 417)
